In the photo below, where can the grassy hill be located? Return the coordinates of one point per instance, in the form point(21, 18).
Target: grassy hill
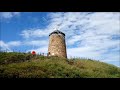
point(21, 65)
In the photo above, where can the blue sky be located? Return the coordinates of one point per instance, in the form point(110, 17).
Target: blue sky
point(94, 35)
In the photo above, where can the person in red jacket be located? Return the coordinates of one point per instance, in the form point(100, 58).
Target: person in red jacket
point(33, 53)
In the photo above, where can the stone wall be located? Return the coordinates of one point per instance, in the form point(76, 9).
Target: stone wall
point(57, 46)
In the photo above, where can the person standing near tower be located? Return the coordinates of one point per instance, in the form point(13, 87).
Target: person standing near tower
point(33, 53)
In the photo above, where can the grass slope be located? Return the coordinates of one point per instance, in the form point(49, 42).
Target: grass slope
point(20, 65)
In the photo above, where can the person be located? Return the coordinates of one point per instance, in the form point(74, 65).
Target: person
point(48, 54)
point(33, 53)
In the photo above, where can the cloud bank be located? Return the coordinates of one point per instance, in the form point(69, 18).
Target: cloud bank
point(8, 15)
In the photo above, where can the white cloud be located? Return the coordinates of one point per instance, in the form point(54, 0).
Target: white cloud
point(33, 33)
point(14, 43)
point(8, 45)
point(37, 43)
point(4, 46)
point(8, 15)
point(86, 52)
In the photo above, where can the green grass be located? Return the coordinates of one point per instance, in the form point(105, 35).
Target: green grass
point(19, 65)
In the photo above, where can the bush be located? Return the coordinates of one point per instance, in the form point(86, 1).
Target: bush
point(13, 57)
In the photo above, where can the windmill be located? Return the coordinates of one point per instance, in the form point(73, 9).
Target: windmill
point(57, 46)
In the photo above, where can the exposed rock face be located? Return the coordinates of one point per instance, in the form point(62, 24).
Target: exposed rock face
point(57, 45)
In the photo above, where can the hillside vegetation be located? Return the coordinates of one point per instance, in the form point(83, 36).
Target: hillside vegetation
point(21, 65)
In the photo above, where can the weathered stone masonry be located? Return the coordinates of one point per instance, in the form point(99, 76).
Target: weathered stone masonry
point(57, 45)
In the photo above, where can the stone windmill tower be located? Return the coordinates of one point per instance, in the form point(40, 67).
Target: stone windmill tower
point(57, 45)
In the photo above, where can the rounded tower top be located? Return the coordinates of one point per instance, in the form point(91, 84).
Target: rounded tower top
point(57, 32)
